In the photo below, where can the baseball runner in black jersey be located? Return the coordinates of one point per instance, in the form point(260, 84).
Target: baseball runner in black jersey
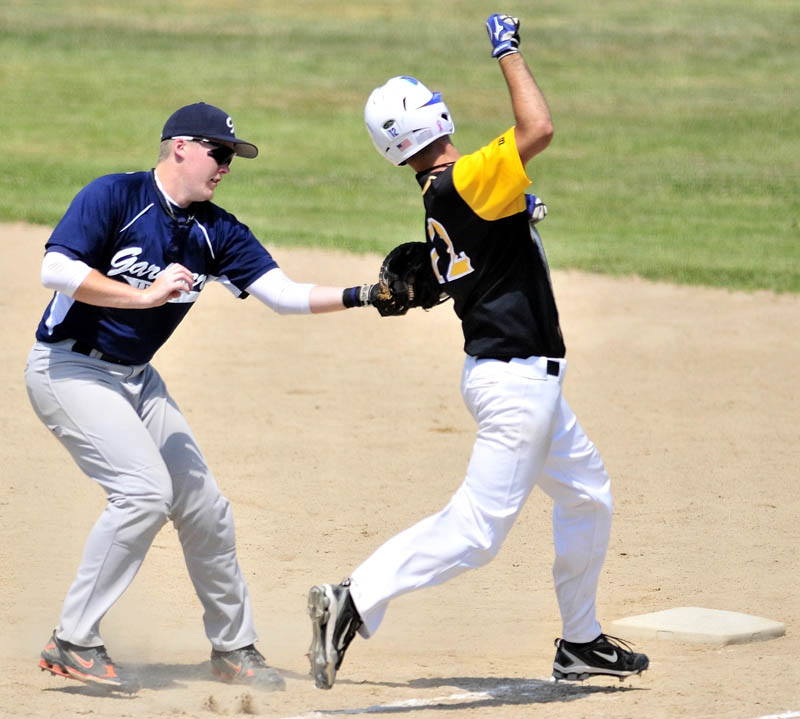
point(488, 256)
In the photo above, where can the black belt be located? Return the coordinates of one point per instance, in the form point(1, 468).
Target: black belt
point(553, 367)
point(84, 349)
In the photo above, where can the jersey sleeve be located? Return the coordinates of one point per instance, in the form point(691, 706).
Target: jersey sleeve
point(492, 181)
point(242, 258)
point(83, 231)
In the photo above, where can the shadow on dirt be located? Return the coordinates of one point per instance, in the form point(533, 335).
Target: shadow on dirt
point(481, 692)
point(150, 676)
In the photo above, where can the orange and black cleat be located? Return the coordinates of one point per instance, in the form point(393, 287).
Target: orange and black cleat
point(246, 666)
point(90, 665)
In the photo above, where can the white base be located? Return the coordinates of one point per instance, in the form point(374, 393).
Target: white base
point(698, 626)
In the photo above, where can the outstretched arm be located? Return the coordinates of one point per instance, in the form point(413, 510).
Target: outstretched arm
point(285, 296)
point(533, 126)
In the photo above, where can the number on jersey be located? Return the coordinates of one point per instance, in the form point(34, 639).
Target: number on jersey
point(459, 264)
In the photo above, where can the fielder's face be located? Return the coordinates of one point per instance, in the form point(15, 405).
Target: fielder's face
point(204, 163)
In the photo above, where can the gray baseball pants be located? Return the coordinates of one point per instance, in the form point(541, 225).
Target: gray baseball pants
point(125, 432)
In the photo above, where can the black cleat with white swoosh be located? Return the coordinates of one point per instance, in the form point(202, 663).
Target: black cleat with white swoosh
point(605, 655)
point(334, 621)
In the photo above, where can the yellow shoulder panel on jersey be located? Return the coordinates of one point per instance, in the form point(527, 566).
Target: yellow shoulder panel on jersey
point(492, 181)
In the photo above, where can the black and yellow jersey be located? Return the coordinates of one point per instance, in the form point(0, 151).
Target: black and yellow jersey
point(488, 257)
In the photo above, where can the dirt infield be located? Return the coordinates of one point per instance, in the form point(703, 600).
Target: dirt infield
point(331, 433)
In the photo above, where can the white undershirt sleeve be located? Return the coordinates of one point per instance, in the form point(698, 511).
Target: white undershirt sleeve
point(63, 274)
point(281, 294)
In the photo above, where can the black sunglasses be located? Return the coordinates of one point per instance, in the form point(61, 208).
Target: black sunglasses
point(222, 155)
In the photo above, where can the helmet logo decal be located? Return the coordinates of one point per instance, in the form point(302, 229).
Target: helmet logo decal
point(436, 97)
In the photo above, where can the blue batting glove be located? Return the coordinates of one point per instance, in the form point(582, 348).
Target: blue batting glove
point(503, 34)
point(536, 208)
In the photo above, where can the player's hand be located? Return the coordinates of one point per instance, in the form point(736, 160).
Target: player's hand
point(503, 34)
point(536, 208)
point(168, 285)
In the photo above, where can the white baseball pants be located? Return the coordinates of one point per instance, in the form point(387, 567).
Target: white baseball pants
point(125, 432)
point(527, 435)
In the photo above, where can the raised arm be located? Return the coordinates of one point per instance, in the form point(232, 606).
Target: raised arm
point(533, 126)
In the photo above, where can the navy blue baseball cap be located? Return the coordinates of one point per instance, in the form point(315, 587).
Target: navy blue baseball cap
point(209, 123)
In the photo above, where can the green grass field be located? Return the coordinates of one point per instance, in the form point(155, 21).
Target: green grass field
point(677, 146)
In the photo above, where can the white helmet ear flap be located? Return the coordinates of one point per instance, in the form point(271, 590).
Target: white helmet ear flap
point(403, 116)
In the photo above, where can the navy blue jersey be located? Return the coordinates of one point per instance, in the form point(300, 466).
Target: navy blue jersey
point(487, 256)
point(121, 226)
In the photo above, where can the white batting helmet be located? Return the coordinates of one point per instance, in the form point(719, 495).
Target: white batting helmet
point(403, 116)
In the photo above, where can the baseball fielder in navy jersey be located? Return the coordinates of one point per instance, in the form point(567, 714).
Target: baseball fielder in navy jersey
point(127, 262)
point(487, 255)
